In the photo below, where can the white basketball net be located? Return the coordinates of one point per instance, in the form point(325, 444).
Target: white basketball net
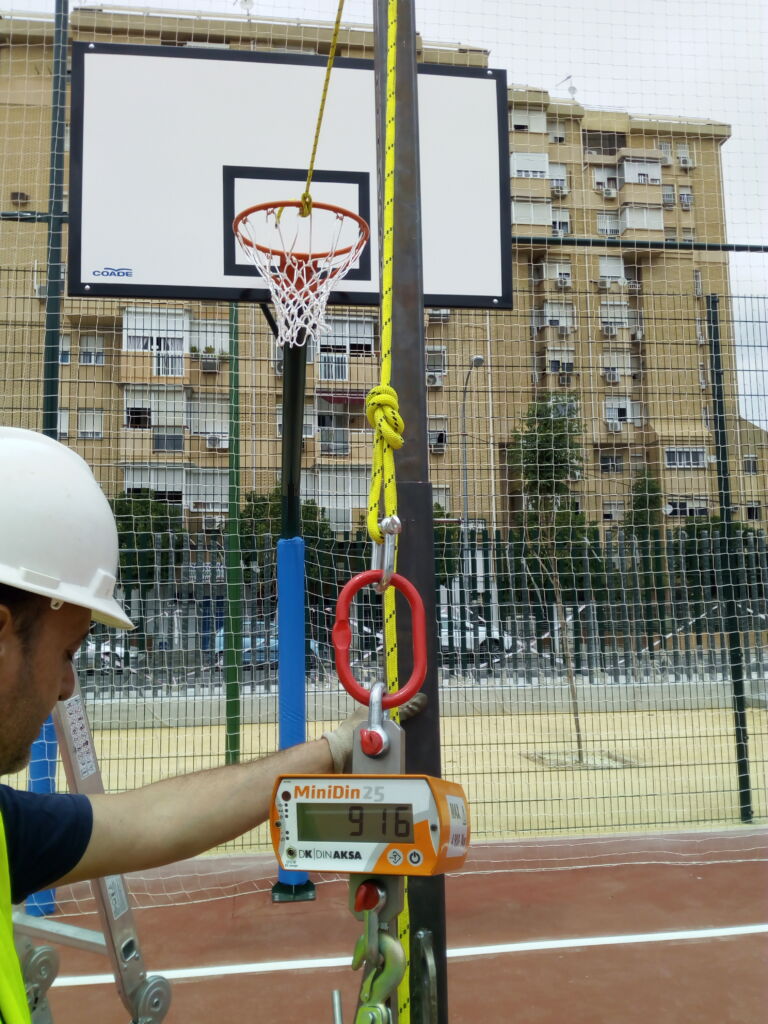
point(278, 241)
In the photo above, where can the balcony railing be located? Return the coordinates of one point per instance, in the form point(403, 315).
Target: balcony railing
point(334, 440)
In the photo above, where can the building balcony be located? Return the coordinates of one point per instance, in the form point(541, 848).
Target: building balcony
point(334, 441)
point(525, 189)
point(153, 444)
point(640, 195)
point(212, 446)
point(208, 368)
point(342, 442)
point(150, 368)
point(618, 431)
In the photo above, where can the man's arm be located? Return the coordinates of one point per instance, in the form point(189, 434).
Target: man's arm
point(181, 817)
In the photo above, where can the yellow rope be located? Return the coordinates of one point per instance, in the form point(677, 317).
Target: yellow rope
point(384, 416)
point(306, 198)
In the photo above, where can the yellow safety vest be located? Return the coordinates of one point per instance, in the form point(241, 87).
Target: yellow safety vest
point(13, 997)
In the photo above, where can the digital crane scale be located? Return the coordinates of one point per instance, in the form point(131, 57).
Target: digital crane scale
point(378, 824)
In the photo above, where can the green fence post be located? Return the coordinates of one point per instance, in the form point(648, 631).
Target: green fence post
point(727, 583)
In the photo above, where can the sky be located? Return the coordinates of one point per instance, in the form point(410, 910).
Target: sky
point(695, 59)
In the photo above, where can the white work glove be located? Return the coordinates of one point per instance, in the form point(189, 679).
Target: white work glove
point(340, 739)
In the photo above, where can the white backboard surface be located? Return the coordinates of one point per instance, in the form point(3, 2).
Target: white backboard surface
point(168, 144)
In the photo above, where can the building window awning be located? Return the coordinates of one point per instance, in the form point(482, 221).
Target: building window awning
point(342, 397)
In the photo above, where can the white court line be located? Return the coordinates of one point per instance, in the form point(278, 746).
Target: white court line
point(224, 970)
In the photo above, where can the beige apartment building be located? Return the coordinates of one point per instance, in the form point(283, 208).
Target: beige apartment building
point(145, 387)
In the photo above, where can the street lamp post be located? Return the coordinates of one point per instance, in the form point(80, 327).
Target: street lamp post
point(475, 362)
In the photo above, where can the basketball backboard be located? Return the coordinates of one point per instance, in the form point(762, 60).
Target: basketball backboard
point(168, 144)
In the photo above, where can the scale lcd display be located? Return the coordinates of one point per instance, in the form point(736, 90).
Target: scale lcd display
point(364, 823)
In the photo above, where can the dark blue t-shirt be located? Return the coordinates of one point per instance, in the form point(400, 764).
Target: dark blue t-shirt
point(46, 836)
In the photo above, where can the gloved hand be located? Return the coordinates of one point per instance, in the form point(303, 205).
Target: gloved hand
point(340, 738)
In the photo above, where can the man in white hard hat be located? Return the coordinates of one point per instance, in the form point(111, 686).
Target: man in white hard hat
point(58, 560)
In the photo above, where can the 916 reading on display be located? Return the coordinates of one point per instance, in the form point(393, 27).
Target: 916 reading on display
point(368, 823)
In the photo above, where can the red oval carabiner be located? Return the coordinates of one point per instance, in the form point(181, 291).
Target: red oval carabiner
point(341, 635)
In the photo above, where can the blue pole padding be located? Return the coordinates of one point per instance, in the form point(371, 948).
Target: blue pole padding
point(291, 657)
point(42, 779)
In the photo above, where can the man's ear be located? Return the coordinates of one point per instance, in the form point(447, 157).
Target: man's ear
point(6, 624)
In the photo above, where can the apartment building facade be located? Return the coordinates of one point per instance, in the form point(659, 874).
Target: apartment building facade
point(146, 388)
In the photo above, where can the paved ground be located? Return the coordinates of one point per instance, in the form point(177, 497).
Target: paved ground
point(669, 928)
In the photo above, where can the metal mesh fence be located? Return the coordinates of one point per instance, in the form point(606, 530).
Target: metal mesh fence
point(598, 454)
point(586, 582)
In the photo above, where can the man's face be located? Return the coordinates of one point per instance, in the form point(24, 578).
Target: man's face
point(33, 676)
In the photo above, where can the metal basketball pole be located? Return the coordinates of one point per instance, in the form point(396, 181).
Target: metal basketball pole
point(292, 886)
point(426, 896)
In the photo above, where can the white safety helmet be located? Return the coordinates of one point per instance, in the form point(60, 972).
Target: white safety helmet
point(58, 536)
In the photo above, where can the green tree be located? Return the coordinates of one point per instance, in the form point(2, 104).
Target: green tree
point(544, 457)
point(139, 512)
point(140, 518)
point(643, 523)
point(447, 541)
point(646, 501)
point(260, 521)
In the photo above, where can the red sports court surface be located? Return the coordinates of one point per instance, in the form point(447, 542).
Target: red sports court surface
point(592, 930)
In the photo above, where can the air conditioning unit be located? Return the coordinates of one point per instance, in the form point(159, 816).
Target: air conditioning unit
point(558, 233)
point(209, 364)
point(686, 163)
point(279, 365)
point(614, 426)
point(559, 190)
point(609, 193)
point(40, 291)
point(563, 330)
point(611, 376)
point(212, 524)
point(604, 283)
point(434, 379)
point(637, 334)
point(563, 281)
point(564, 380)
point(609, 330)
point(438, 316)
point(217, 442)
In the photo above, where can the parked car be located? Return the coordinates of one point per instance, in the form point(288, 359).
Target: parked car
point(260, 646)
point(477, 637)
point(99, 655)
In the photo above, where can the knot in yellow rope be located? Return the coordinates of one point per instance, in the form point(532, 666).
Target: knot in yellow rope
point(381, 406)
point(382, 410)
point(306, 205)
